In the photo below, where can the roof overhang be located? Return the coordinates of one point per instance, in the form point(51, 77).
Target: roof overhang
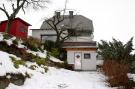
point(80, 45)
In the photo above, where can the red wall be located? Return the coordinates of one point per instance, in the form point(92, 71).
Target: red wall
point(22, 30)
point(17, 29)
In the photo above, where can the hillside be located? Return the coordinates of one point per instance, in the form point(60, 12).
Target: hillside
point(23, 68)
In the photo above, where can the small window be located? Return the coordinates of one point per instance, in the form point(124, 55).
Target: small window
point(22, 29)
point(87, 56)
point(71, 32)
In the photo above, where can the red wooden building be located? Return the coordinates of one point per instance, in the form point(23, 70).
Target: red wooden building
point(19, 28)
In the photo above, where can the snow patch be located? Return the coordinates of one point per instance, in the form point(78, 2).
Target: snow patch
point(7, 66)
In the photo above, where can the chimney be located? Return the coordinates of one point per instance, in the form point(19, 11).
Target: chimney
point(71, 14)
point(57, 14)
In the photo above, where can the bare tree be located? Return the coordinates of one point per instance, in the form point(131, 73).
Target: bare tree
point(61, 31)
point(18, 5)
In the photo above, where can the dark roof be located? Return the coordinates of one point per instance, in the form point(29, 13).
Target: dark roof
point(79, 44)
point(78, 22)
point(24, 22)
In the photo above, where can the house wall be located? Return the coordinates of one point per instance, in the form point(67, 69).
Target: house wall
point(87, 64)
point(80, 39)
point(2, 27)
point(22, 30)
point(12, 29)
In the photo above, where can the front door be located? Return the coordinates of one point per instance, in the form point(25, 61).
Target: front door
point(78, 63)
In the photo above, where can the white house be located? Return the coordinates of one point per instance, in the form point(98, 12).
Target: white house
point(81, 55)
point(80, 47)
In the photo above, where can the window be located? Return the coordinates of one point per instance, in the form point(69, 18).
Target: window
point(22, 29)
point(87, 56)
point(71, 32)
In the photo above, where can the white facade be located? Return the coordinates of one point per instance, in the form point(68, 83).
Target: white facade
point(80, 39)
point(36, 33)
point(83, 63)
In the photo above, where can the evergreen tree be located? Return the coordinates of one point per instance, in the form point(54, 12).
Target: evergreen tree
point(116, 50)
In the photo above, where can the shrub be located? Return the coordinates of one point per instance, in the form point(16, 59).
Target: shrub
point(48, 45)
point(14, 49)
point(40, 61)
point(55, 52)
point(17, 62)
point(7, 36)
point(15, 42)
point(116, 72)
point(4, 46)
point(28, 57)
point(32, 43)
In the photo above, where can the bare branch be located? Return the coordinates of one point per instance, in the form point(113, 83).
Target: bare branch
point(48, 22)
point(23, 10)
point(13, 7)
point(5, 11)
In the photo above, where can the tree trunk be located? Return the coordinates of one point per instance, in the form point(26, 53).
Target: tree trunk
point(8, 25)
point(57, 40)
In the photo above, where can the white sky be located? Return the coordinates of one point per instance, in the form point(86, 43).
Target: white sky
point(111, 18)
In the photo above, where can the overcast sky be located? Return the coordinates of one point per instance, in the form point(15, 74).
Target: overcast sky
point(111, 18)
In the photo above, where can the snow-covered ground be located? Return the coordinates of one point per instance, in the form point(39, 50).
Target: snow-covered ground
point(53, 79)
point(63, 79)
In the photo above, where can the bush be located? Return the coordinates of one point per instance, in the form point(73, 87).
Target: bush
point(55, 52)
point(15, 42)
point(28, 57)
point(17, 62)
point(48, 45)
point(7, 36)
point(4, 46)
point(117, 73)
point(32, 43)
point(40, 61)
